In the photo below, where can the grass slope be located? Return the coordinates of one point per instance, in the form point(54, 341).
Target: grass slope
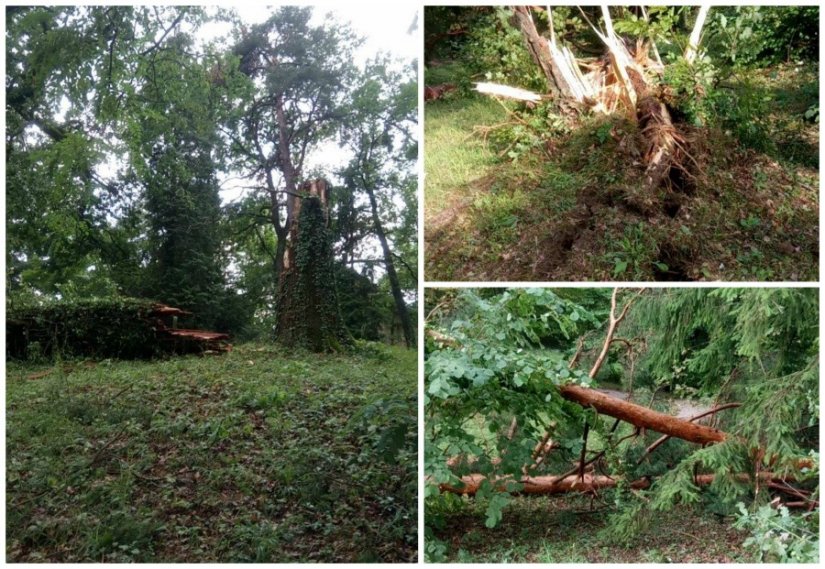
point(258, 455)
point(570, 210)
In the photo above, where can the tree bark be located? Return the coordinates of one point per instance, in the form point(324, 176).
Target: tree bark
point(540, 52)
point(285, 164)
point(642, 417)
point(395, 285)
point(545, 485)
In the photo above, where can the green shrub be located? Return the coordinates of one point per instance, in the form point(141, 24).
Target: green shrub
point(102, 328)
point(779, 537)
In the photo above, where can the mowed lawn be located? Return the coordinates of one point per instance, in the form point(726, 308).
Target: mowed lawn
point(256, 455)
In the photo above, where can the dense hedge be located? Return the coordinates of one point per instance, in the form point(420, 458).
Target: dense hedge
point(102, 328)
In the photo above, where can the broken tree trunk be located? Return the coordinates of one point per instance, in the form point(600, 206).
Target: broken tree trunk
point(545, 485)
point(642, 417)
point(308, 314)
point(623, 84)
point(540, 52)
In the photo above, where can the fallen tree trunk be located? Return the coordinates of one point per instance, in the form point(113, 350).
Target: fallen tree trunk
point(642, 417)
point(547, 485)
point(636, 415)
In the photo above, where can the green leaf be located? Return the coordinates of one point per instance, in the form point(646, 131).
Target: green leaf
point(494, 509)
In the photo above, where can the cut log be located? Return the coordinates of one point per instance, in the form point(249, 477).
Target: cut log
point(642, 417)
point(164, 310)
point(201, 335)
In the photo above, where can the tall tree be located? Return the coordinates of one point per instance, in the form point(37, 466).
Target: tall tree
point(298, 79)
point(72, 74)
point(170, 126)
point(380, 133)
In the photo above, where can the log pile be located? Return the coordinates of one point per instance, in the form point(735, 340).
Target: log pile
point(186, 340)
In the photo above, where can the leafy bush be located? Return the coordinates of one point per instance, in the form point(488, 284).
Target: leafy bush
point(496, 49)
point(764, 35)
point(779, 537)
point(107, 327)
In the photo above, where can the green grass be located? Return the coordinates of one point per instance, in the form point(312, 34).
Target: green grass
point(256, 455)
point(454, 157)
point(567, 529)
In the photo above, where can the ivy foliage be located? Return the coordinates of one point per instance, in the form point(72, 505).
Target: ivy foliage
point(101, 328)
point(308, 311)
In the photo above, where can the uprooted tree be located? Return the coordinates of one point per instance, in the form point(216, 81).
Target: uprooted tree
point(625, 81)
point(511, 411)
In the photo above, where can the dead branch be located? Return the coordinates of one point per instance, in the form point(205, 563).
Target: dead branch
point(613, 322)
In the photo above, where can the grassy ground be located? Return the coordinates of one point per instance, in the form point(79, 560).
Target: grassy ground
point(568, 209)
point(257, 455)
point(566, 529)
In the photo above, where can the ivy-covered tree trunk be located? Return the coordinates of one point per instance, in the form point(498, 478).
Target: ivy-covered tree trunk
point(308, 314)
